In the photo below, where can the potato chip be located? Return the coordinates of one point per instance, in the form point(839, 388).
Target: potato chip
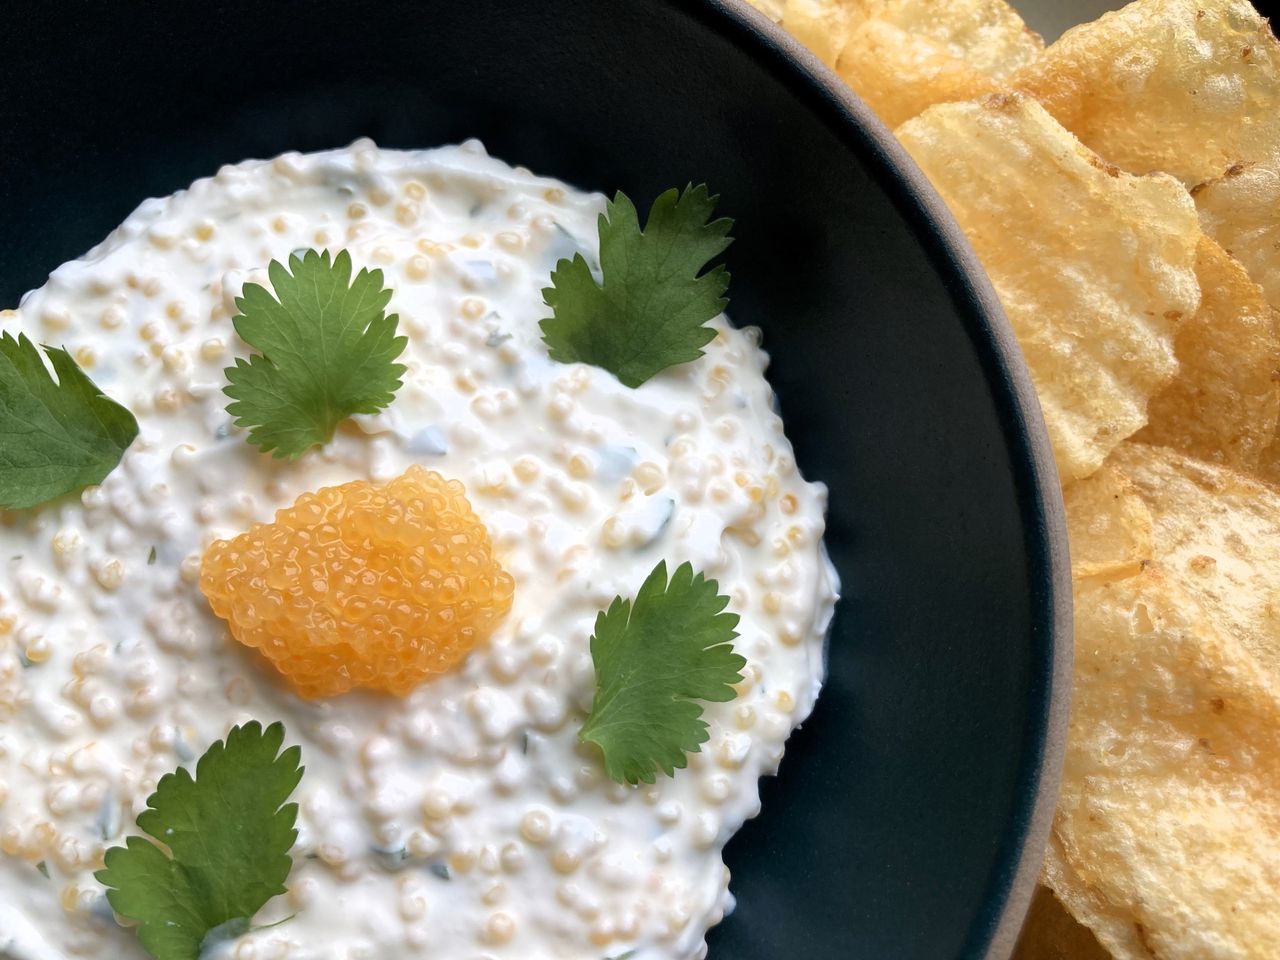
point(906, 55)
point(770, 8)
point(986, 34)
point(1108, 923)
point(1242, 212)
point(902, 56)
point(1218, 532)
point(1188, 87)
point(1051, 933)
point(1269, 468)
point(1095, 268)
point(899, 76)
point(1222, 405)
point(1109, 525)
point(822, 25)
point(1166, 841)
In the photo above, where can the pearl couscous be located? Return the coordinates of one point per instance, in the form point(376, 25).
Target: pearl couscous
point(465, 820)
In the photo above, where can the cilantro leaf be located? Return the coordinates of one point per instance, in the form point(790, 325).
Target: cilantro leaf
point(649, 312)
point(228, 832)
point(654, 657)
point(327, 351)
point(54, 437)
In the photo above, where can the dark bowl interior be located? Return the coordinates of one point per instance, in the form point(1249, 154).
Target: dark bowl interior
point(911, 811)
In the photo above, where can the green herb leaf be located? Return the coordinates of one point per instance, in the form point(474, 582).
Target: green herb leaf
point(228, 832)
point(54, 437)
point(649, 312)
point(327, 352)
point(654, 657)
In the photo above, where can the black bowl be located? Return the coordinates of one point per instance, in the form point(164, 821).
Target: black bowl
point(912, 809)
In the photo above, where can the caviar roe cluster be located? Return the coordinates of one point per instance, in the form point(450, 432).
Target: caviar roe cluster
point(362, 585)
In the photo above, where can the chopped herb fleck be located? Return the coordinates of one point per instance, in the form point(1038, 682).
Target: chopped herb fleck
point(440, 869)
point(496, 339)
point(391, 858)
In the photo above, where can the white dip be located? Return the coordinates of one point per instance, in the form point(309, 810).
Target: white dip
point(465, 821)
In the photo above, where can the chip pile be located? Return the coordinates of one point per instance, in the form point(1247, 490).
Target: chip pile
point(1122, 189)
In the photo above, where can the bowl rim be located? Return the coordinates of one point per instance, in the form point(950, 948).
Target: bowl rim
point(994, 931)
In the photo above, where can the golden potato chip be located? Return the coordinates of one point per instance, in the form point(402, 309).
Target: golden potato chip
point(1218, 533)
point(903, 56)
point(1051, 933)
point(1242, 212)
point(1167, 834)
point(1188, 87)
point(1269, 467)
point(1107, 923)
point(1108, 525)
point(1222, 405)
point(770, 8)
point(899, 76)
point(1095, 268)
point(822, 25)
point(986, 34)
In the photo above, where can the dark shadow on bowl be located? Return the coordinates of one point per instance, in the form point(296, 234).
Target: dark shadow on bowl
point(912, 810)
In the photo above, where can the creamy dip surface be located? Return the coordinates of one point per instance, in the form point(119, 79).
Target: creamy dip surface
point(464, 821)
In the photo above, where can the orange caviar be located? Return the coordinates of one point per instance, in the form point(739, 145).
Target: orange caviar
point(362, 585)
